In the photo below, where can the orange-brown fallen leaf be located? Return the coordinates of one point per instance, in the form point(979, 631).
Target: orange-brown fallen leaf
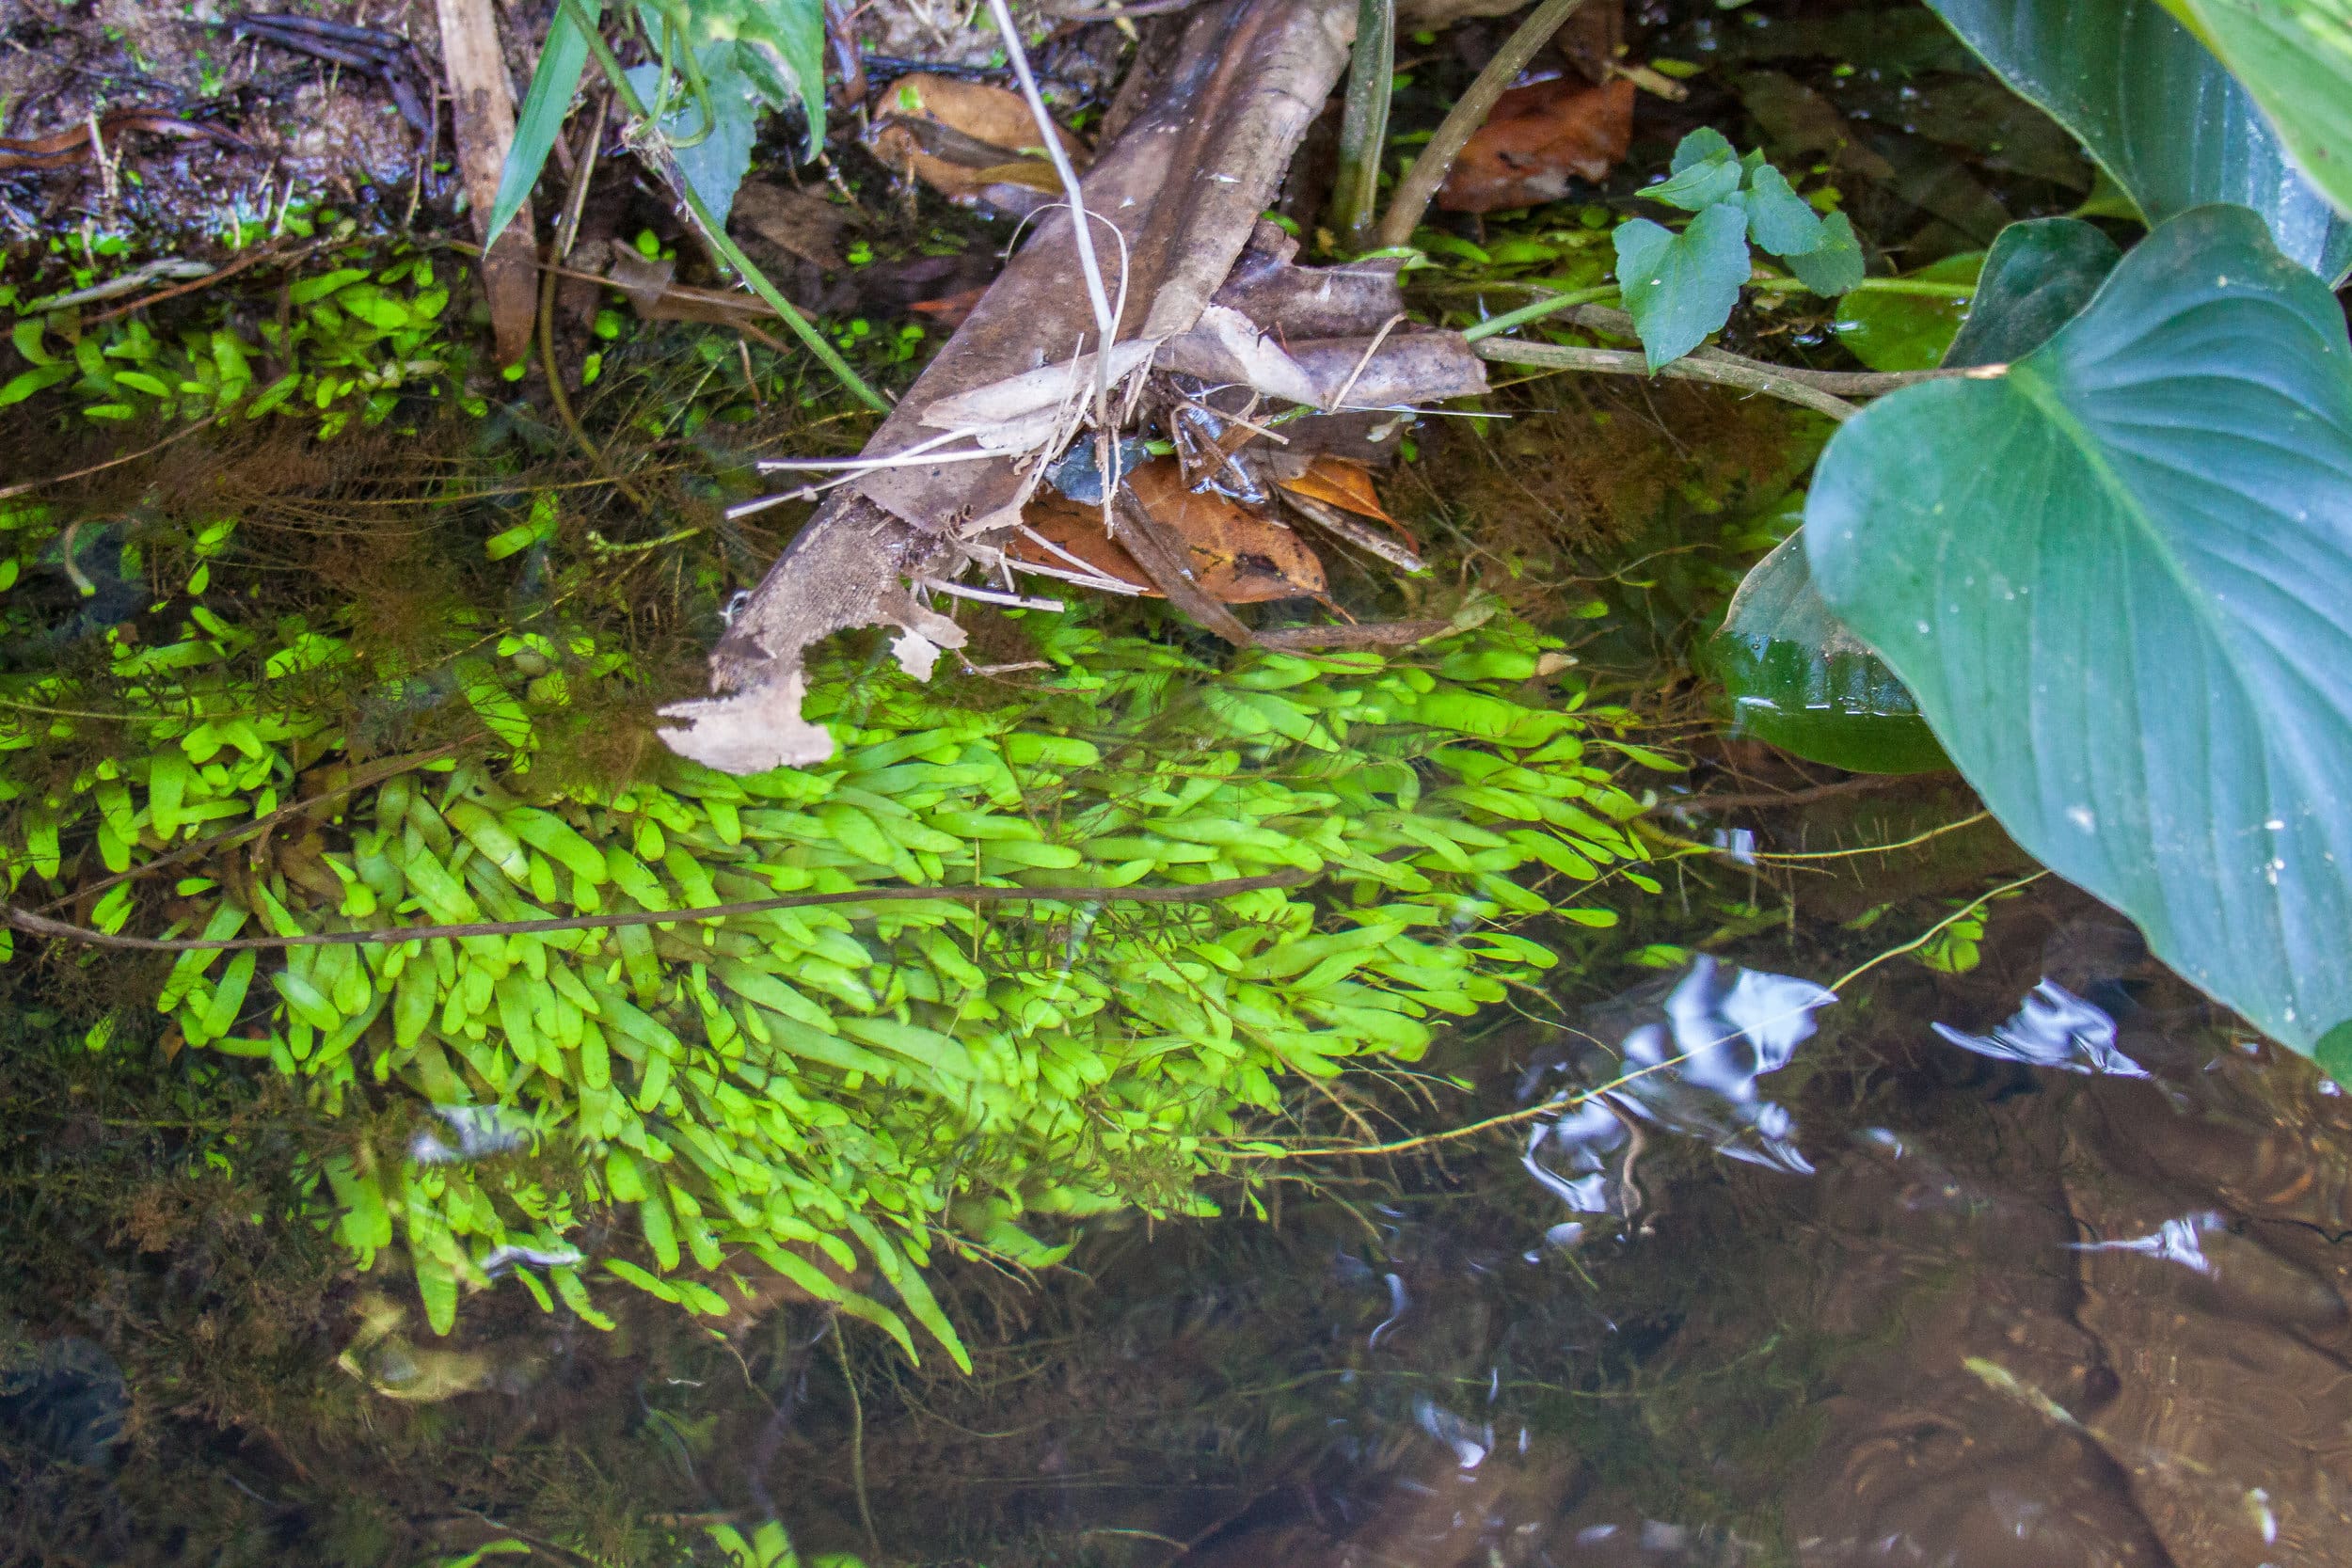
point(949, 310)
point(1337, 482)
point(961, 137)
point(1237, 556)
point(1537, 138)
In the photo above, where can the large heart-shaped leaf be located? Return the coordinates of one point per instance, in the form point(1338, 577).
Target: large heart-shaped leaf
point(2115, 578)
point(2295, 56)
point(2153, 106)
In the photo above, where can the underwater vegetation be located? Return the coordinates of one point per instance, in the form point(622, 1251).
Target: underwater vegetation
point(825, 1093)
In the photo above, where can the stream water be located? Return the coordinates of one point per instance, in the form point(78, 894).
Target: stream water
point(2038, 1265)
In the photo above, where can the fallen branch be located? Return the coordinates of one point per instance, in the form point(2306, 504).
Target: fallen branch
point(1197, 893)
point(1747, 374)
point(1183, 183)
point(483, 113)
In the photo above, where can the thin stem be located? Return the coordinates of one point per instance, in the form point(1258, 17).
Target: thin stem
point(1420, 185)
point(857, 1438)
point(584, 169)
point(1925, 287)
point(1364, 126)
point(716, 231)
point(1933, 931)
point(1193, 893)
point(1081, 232)
point(1537, 311)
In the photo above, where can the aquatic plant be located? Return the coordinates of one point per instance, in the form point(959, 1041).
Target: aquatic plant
point(361, 323)
point(827, 1091)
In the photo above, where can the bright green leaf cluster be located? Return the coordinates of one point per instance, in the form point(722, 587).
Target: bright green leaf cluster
point(826, 1092)
point(353, 340)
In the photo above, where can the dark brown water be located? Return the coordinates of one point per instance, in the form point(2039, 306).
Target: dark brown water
point(2015, 1315)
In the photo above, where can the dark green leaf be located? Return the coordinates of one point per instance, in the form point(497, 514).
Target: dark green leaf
point(1681, 287)
point(1891, 331)
point(1779, 220)
point(1835, 266)
point(2037, 278)
point(2155, 107)
point(541, 120)
point(2115, 578)
point(1801, 681)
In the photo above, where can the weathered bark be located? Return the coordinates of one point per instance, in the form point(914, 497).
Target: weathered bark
point(1183, 184)
point(483, 110)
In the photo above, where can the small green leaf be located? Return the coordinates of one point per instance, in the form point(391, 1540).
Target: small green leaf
point(25, 383)
point(1681, 287)
point(1699, 182)
point(1702, 145)
point(1835, 266)
point(1779, 220)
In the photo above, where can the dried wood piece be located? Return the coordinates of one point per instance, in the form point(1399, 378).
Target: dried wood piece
point(484, 114)
point(1183, 183)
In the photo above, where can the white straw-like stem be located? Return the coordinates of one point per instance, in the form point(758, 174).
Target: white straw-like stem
point(864, 465)
point(1106, 323)
point(990, 595)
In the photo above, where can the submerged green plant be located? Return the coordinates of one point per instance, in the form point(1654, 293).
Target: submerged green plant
point(355, 334)
point(819, 1090)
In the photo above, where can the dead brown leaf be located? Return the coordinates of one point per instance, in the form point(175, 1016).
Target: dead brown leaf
point(800, 223)
point(1237, 555)
point(961, 137)
point(1337, 482)
point(1537, 137)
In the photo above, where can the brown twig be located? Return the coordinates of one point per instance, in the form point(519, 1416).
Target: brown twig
point(1862, 384)
point(1420, 185)
point(272, 252)
point(40, 926)
point(392, 768)
point(575, 200)
point(1767, 801)
point(1748, 376)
